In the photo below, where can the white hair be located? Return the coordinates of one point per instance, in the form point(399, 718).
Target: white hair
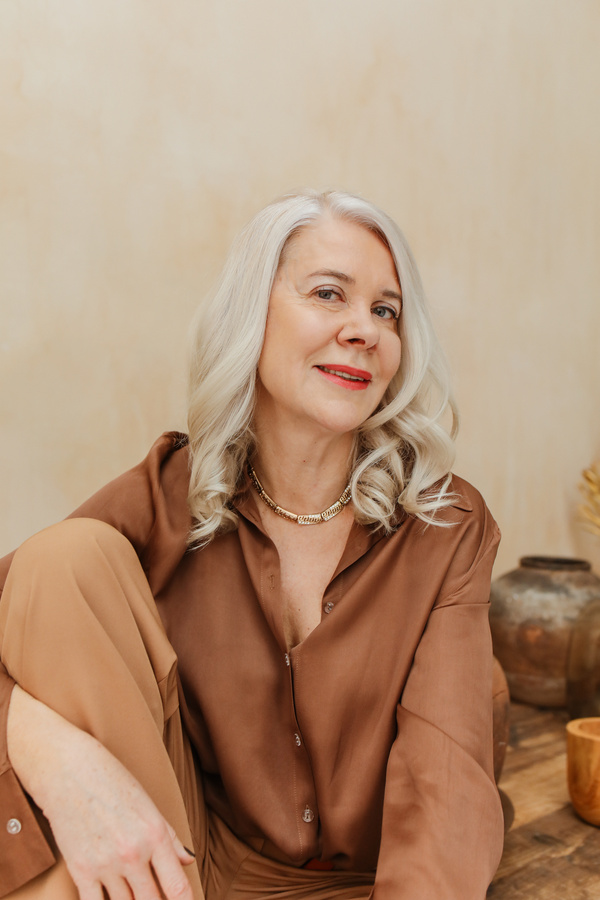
point(403, 453)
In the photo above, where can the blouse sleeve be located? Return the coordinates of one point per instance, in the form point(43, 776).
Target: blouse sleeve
point(137, 504)
point(442, 832)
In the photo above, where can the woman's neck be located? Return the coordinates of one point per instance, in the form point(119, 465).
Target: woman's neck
point(303, 473)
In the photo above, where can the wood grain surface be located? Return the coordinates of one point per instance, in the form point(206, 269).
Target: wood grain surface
point(549, 852)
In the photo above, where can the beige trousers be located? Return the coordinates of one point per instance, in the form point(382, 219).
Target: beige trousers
point(83, 635)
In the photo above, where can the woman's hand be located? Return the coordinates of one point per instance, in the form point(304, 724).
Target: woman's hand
point(107, 828)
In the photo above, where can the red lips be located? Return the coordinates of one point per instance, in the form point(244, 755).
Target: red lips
point(347, 376)
point(357, 373)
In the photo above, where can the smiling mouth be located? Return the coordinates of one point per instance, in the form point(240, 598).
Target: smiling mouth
point(347, 376)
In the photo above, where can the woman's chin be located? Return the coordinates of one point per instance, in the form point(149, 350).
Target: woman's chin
point(338, 423)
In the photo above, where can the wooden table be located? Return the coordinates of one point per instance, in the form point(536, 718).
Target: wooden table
point(549, 853)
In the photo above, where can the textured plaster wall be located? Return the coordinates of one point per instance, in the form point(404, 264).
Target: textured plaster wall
point(137, 137)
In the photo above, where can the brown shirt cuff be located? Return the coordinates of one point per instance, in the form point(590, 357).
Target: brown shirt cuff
point(24, 851)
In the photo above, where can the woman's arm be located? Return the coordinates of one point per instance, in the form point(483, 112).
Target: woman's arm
point(442, 829)
point(109, 831)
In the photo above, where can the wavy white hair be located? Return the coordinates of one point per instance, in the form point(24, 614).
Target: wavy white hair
point(403, 453)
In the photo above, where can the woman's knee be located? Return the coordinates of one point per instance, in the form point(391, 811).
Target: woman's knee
point(73, 542)
point(79, 577)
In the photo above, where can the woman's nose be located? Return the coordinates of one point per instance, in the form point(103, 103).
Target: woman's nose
point(359, 327)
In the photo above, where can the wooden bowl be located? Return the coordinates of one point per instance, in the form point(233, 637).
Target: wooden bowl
point(583, 767)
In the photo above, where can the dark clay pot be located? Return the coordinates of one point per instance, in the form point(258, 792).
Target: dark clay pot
point(583, 664)
point(532, 614)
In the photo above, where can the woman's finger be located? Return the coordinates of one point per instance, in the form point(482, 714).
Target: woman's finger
point(91, 890)
point(170, 875)
point(118, 889)
point(143, 886)
point(185, 855)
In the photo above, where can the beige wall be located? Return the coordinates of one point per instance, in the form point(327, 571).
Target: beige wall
point(137, 137)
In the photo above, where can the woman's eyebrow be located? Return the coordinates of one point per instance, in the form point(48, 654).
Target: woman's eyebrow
point(393, 295)
point(333, 273)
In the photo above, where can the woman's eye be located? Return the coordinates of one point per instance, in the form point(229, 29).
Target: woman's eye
point(385, 312)
point(327, 294)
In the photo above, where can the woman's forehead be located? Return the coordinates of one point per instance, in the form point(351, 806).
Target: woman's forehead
point(335, 242)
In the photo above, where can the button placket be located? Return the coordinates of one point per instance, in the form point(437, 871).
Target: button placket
point(297, 738)
point(307, 814)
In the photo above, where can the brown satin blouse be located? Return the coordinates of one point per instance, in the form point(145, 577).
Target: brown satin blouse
point(370, 743)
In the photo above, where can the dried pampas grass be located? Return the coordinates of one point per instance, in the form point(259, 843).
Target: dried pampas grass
point(590, 489)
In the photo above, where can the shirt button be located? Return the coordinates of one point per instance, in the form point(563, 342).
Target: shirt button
point(328, 606)
point(298, 740)
point(308, 815)
point(287, 659)
point(13, 826)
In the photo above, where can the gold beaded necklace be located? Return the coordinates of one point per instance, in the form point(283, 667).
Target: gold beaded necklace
point(313, 518)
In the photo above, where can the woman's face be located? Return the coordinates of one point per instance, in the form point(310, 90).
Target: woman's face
point(331, 343)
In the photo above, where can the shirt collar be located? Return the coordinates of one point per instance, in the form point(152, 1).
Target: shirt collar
point(360, 539)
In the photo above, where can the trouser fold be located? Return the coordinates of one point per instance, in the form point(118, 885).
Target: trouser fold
point(83, 635)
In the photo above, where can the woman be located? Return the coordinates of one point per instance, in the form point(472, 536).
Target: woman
point(323, 582)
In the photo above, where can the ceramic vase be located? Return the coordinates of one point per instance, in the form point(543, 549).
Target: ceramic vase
point(533, 611)
point(583, 663)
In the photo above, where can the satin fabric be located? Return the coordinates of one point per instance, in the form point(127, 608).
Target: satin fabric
point(369, 744)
